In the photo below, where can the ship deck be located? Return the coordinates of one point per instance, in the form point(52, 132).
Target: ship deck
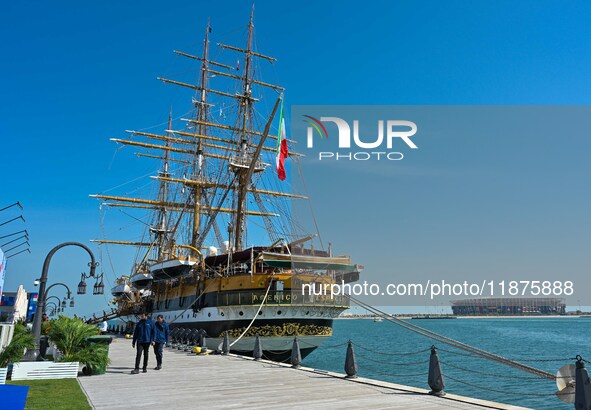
point(233, 382)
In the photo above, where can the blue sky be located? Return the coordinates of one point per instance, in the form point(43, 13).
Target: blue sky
point(75, 75)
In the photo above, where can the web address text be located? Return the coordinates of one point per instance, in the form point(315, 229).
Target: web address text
point(433, 289)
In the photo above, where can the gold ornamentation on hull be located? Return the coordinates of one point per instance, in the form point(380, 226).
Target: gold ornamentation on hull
point(287, 329)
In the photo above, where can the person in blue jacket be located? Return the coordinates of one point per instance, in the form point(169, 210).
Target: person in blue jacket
point(160, 339)
point(143, 337)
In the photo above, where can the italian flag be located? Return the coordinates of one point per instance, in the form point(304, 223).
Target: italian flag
point(282, 151)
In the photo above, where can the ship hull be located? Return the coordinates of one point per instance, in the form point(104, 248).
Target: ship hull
point(276, 328)
point(262, 327)
point(277, 349)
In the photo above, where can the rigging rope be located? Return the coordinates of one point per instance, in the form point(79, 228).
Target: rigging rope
point(297, 161)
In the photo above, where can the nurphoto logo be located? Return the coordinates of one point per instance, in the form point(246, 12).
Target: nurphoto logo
point(390, 133)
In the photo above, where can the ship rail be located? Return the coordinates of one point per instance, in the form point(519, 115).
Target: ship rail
point(278, 298)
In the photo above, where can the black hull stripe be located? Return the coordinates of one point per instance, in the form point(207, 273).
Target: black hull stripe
point(216, 328)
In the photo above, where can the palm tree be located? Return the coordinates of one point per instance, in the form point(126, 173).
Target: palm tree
point(70, 337)
point(22, 339)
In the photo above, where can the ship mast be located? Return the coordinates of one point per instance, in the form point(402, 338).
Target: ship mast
point(161, 230)
point(200, 128)
point(242, 152)
point(246, 108)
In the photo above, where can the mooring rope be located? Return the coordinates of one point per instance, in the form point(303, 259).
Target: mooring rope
point(455, 343)
point(390, 354)
point(256, 315)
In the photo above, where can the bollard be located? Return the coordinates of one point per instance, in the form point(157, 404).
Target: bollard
point(296, 356)
point(226, 345)
point(171, 337)
point(436, 381)
point(350, 362)
point(181, 338)
point(257, 353)
point(177, 337)
point(191, 340)
point(582, 386)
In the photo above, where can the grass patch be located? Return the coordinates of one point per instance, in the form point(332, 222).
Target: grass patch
point(59, 394)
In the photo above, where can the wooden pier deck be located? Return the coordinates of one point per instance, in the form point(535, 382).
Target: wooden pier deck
point(188, 381)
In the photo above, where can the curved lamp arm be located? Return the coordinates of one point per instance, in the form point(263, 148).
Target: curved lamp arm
point(69, 295)
point(33, 354)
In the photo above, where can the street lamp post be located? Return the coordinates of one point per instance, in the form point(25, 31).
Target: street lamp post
point(53, 308)
point(59, 301)
point(68, 295)
point(33, 354)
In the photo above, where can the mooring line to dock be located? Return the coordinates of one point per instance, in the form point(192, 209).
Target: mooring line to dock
point(501, 376)
point(533, 377)
point(284, 361)
point(455, 343)
point(503, 391)
point(390, 354)
point(256, 315)
point(422, 374)
point(540, 360)
point(393, 364)
point(322, 346)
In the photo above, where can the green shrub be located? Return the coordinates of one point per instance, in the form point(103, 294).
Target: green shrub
point(22, 339)
point(70, 337)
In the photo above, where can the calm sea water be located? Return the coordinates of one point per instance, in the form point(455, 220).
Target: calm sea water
point(524, 339)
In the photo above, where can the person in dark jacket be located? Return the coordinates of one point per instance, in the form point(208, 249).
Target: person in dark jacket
point(160, 339)
point(143, 337)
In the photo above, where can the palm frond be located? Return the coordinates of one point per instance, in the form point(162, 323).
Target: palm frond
point(71, 338)
point(14, 352)
point(69, 334)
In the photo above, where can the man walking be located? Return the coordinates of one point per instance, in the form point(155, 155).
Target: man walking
point(160, 339)
point(143, 336)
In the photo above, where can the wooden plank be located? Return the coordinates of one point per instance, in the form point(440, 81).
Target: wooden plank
point(231, 382)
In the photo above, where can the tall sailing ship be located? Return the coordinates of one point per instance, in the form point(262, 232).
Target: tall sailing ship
point(219, 189)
